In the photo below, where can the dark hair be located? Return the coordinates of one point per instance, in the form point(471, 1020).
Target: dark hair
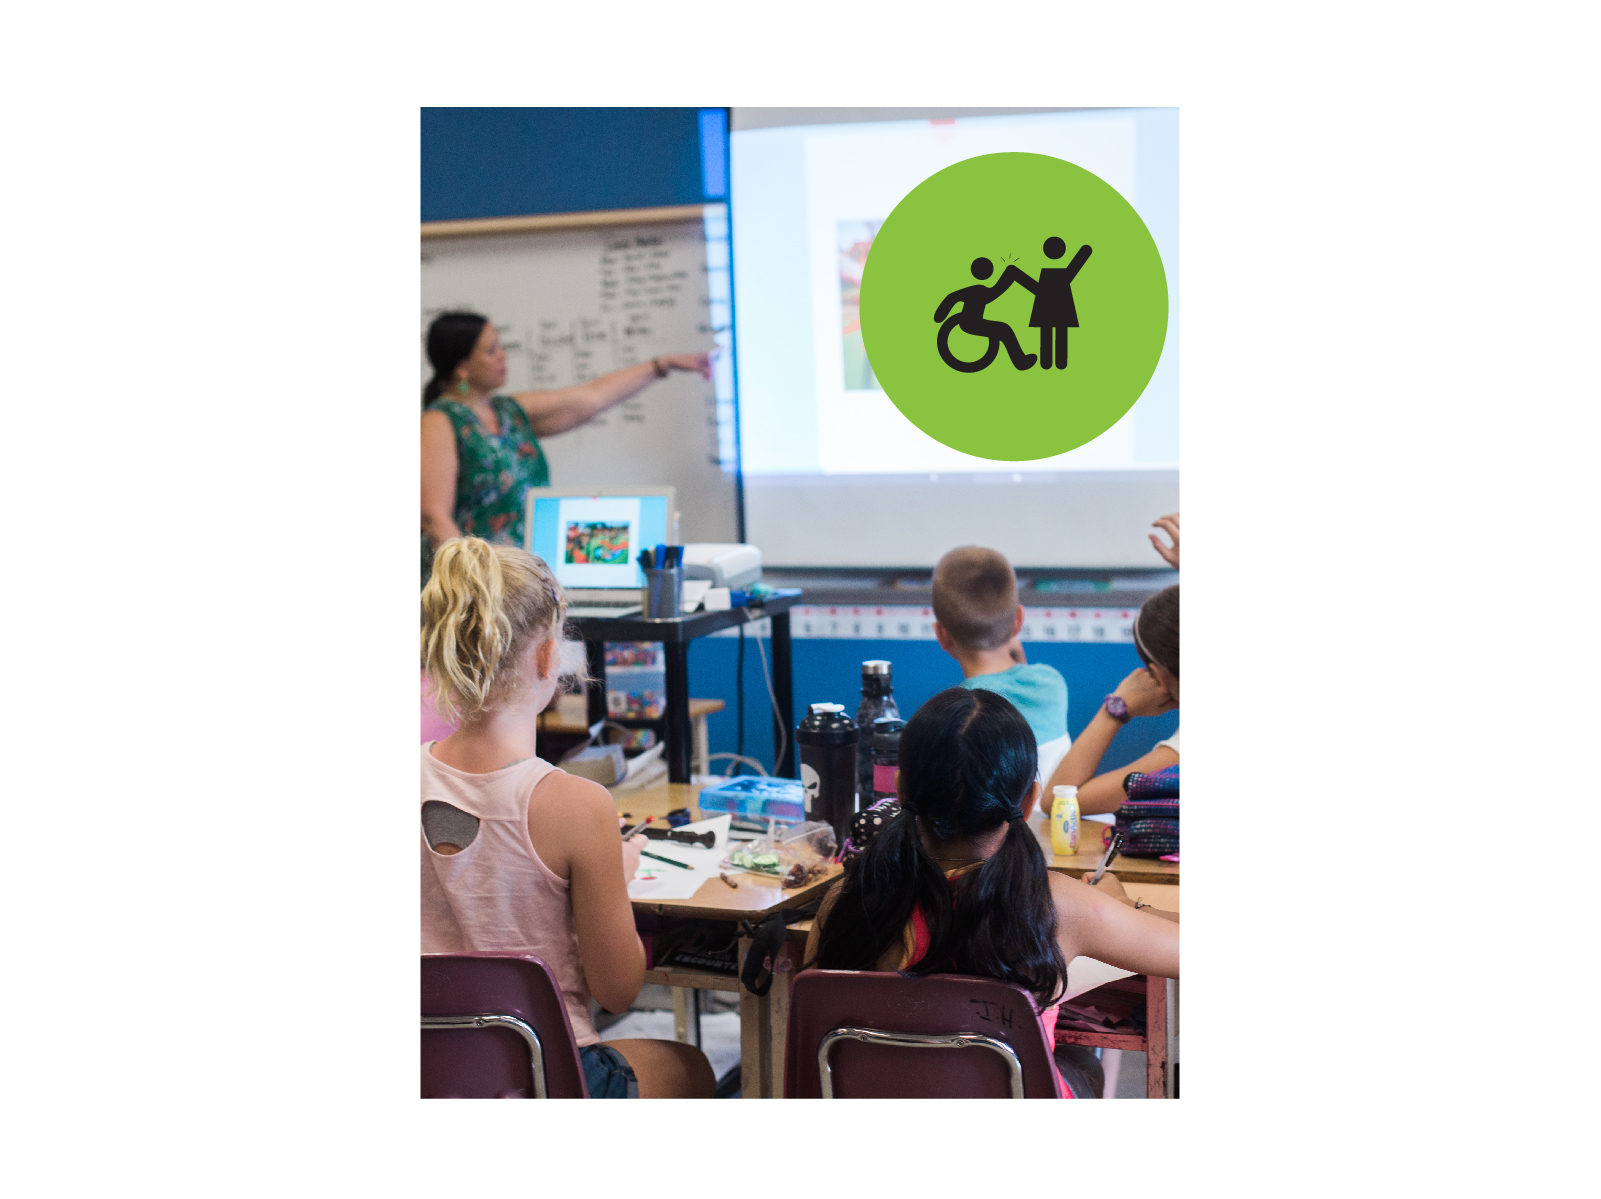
point(451, 339)
point(1156, 631)
point(967, 758)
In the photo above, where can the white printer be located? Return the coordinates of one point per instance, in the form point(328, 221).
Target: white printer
point(723, 565)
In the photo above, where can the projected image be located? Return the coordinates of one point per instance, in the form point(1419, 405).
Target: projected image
point(855, 238)
point(596, 543)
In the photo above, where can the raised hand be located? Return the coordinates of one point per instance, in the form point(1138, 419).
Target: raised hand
point(1169, 523)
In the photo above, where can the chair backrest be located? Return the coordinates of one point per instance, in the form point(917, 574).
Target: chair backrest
point(494, 1027)
point(874, 1035)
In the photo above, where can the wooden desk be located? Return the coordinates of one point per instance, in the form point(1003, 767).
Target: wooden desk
point(763, 1019)
point(1128, 870)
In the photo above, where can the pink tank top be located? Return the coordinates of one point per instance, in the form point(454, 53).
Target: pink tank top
point(496, 896)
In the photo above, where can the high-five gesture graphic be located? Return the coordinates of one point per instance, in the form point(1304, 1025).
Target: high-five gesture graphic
point(1053, 314)
point(994, 247)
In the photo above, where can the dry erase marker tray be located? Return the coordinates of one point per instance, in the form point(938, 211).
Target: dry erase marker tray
point(760, 798)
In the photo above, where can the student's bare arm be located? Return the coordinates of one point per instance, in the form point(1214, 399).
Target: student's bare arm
point(603, 919)
point(1096, 925)
point(1104, 792)
point(1144, 697)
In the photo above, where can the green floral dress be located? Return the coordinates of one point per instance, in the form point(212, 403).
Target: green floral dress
point(493, 474)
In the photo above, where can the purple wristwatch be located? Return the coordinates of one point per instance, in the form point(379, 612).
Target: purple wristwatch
point(1116, 708)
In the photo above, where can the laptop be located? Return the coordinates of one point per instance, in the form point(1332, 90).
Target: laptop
point(592, 539)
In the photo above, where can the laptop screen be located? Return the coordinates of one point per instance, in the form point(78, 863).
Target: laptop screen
point(594, 540)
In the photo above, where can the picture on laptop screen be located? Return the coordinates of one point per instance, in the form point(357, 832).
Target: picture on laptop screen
point(596, 542)
point(593, 541)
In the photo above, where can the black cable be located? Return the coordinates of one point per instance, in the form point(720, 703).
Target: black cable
point(739, 701)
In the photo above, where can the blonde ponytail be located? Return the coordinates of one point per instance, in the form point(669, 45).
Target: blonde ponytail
point(481, 607)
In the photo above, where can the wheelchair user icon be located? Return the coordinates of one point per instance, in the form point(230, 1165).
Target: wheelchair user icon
point(970, 319)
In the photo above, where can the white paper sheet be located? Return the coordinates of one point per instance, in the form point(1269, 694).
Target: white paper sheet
point(658, 880)
point(1085, 974)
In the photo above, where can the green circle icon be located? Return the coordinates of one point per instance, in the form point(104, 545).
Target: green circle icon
point(1013, 306)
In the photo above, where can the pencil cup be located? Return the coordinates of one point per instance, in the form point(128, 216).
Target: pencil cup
point(663, 593)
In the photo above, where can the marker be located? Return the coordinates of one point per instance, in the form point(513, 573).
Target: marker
point(1111, 852)
point(635, 830)
point(645, 853)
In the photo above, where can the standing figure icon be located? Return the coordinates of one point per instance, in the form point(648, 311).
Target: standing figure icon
point(1054, 312)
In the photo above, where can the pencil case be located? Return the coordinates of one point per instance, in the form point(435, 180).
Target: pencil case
point(1149, 817)
point(1159, 784)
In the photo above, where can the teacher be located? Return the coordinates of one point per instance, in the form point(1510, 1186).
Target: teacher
point(480, 449)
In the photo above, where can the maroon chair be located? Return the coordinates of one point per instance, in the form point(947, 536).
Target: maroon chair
point(494, 1027)
point(874, 1035)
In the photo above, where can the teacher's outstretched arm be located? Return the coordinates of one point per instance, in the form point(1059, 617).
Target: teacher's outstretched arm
point(565, 408)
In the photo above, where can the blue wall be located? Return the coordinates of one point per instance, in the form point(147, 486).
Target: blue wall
point(487, 162)
point(831, 672)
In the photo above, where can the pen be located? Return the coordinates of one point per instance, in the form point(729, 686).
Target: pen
point(1111, 852)
point(645, 853)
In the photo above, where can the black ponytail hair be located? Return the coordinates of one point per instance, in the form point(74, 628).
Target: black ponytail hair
point(451, 339)
point(967, 760)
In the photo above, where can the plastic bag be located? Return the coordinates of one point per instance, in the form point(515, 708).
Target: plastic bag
point(796, 853)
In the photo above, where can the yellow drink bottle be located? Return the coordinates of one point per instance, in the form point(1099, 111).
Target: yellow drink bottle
point(1064, 821)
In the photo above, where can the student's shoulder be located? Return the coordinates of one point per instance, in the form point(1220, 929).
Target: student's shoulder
point(578, 796)
point(1043, 673)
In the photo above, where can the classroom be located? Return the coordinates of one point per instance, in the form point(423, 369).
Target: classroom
point(862, 627)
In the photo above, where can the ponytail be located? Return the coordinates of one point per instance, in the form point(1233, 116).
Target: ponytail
point(882, 886)
point(482, 606)
point(451, 340)
point(1005, 919)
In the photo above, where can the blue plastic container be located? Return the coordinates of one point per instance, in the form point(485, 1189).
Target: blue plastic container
point(757, 798)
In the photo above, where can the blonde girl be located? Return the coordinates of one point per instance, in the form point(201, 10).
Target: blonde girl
point(518, 856)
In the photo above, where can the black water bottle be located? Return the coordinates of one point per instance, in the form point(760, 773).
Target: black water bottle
point(878, 700)
point(886, 758)
point(827, 740)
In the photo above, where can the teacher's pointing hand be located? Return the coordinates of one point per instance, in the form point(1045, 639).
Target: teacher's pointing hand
point(684, 362)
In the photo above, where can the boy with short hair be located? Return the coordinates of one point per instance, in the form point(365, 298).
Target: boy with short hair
point(977, 619)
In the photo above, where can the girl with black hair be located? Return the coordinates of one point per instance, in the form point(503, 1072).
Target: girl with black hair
point(958, 884)
point(480, 449)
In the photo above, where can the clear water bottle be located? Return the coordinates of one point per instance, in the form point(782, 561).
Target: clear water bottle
point(878, 700)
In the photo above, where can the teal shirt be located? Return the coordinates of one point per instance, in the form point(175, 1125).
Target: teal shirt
point(1038, 691)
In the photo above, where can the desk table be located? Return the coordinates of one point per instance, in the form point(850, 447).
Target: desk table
point(675, 634)
point(1090, 849)
point(762, 1019)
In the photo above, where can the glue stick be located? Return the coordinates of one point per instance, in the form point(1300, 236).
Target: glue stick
point(1064, 821)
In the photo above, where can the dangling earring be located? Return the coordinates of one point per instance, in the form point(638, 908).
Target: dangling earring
point(461, 387)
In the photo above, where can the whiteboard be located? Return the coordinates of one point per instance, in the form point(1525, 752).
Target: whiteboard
point(572, 304)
